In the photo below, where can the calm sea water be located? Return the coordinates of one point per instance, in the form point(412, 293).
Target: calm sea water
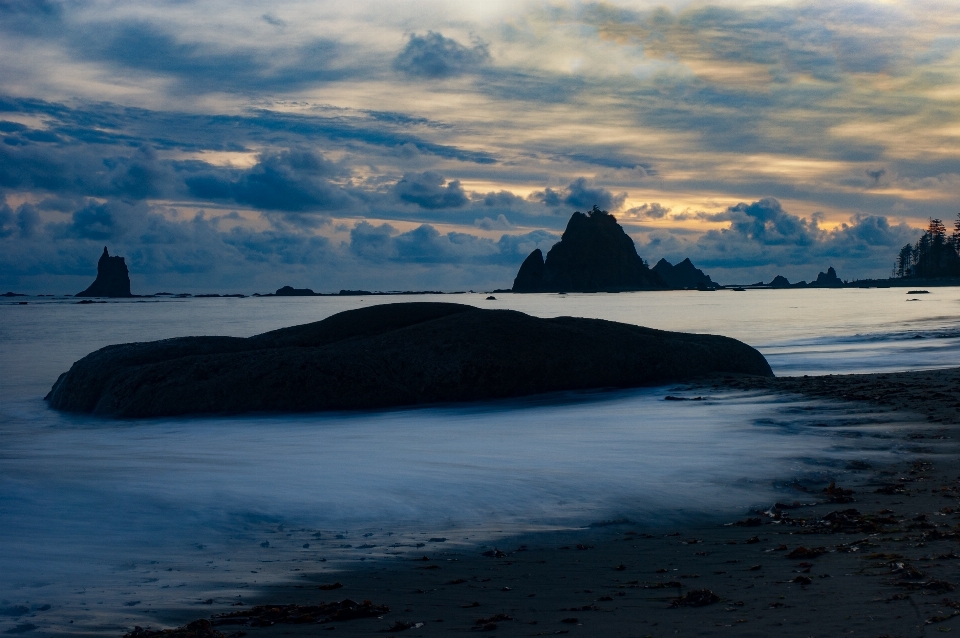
point(110, 522)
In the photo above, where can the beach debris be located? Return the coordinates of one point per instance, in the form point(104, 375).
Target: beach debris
point(402, 625)
point(331, 586)
point(804, 553)
point(933, 585)
point(197, 629)
point(470, 605)
point(670, 397)
point(754, 568)
point(753, 540)
point(849, 521)
point(837, 494)
point(438, 539)
point(663, 585)
point(906, 571)
point(750, 522)
point(582, 547)
point(953, 604)
point(802, 580)
point(267, 615)
point(494, 553)
point(892, 489)
point(571, 621)
point(490, 624)
point(620, 568)
point(696, 598)
point(458, 581)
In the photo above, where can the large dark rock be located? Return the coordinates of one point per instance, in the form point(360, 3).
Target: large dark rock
point(683, 275)
point(593, 255)
point(389, 355)
point(112, 280)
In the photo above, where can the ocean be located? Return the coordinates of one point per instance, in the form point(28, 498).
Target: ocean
point(107, 523)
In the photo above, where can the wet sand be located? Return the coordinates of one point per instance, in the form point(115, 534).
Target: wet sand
point(878, 555)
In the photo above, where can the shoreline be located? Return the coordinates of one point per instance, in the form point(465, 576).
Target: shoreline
point(880, 560)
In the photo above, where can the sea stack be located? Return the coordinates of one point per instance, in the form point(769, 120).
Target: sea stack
point(593, 255)
point(828, 279)
point(113, 279)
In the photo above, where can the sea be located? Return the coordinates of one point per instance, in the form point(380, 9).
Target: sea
point(106, 524)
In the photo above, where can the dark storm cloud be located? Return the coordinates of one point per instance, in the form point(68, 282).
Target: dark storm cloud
point(430, 190)
point(433, 56)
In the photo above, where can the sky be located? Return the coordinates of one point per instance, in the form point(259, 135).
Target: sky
point(238, 146)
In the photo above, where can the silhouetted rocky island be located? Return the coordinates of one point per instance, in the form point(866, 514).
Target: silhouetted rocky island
point(390, 355)
point(683, 275)
point(827, 279)
point(113, 280)
point(593, 255)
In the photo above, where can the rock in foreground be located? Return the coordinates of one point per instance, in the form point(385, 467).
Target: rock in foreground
point(390, 355)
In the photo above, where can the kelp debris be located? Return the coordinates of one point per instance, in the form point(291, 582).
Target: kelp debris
point(266, 615)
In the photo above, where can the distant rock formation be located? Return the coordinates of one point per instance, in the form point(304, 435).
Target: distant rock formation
point(781, 282)
point(593, 255)
point(683, 275)
point(13, 294)
point(113, 279)
point(290, 291)
point(390, 355)
point(828, 279)
point(530, 276)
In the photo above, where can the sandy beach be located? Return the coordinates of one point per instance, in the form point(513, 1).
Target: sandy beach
point(871, 556)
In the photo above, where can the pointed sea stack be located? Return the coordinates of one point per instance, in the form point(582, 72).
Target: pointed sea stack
point(593, 255)
point(113, 279)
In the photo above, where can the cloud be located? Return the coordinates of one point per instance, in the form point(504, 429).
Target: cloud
point(143, 47)
point(292, 180)
point(652, 211)
point(430, 190)
point(762, 240)
point(580, 194)
point(433, 56)
point(766, 223)
point(500, 223)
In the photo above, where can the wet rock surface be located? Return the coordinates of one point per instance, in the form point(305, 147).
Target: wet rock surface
point(390, 355)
